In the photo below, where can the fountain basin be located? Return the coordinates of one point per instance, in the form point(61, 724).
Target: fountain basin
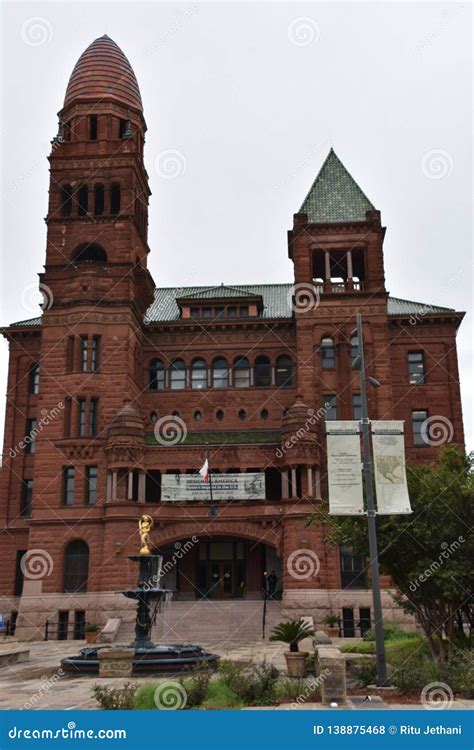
point(154, 660)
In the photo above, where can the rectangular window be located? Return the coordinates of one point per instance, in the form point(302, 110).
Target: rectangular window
point(93, 417)
point(416, 368)
point(330, 406)
point(418, 418)
point(91, 485)
point(30, 437)
point(81, 417)
point(353, 570)
point(26, 497)
point(69, 475)
point(231, 312)
point(244, 312)
point(19, 576)
point(67, 417)
point(84, 353)
point(70, 354)
point(195, 312)
point(95, 359)
point(207, 312)
point(356, 406)
point(93, 127)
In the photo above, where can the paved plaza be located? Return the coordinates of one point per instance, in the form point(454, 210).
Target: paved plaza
point(39, 684)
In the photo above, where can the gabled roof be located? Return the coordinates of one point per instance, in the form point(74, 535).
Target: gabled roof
point(276, 300)
point(217, 292)
point(335, 196)
point(398, 306)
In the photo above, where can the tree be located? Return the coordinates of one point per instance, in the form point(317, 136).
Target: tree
point(428, 554)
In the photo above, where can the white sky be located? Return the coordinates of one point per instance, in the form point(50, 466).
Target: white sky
point(253, 114)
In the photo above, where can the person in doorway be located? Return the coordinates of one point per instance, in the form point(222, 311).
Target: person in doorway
point(272, 581)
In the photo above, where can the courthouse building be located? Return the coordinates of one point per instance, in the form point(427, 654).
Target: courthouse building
point(119, 389)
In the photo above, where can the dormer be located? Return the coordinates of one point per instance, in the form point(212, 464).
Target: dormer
point(219, 304)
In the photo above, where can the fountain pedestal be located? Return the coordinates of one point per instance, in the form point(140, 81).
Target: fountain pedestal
point(147, 657)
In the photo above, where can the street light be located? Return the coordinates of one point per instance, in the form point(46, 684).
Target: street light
point(359, 364)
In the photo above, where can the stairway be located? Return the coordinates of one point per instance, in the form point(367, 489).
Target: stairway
point(223, 622)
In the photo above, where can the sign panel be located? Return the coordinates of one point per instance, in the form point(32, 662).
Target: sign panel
point(184, 487)
point(389, 466)
point(344, 468)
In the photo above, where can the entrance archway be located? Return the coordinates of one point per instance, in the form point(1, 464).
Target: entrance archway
point(220, 567)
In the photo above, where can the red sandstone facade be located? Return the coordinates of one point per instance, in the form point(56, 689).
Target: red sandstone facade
point(112, 404)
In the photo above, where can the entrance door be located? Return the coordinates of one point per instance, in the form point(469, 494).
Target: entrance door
point(221, 579)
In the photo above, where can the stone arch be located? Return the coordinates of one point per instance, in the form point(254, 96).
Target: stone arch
point(220, 528)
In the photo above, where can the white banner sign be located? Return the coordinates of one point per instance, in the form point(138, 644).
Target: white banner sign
point(389, 464)
point(344, 468)
point(183, 487)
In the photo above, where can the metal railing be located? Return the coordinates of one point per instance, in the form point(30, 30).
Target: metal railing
point(60, 631)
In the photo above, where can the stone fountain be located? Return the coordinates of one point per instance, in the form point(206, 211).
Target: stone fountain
point(145, 655)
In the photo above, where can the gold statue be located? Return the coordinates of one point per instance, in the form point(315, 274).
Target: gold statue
point(145, 525)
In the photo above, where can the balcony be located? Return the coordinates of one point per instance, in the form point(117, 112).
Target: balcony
point(339, 287)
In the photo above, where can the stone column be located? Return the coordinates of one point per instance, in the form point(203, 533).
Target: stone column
point(317, 484)
point(141, 487)
point(331, 669)
point(130, 485)
point(284, 483)
point(114, 485)
point(309, 475)
point(293, 483)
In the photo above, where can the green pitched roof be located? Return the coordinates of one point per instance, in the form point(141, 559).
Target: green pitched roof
point(276, 303)
point(335, 195)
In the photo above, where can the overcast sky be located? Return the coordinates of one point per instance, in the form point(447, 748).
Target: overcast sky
point(250, 97)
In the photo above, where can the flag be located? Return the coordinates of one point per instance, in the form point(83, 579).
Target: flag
point(204, 470)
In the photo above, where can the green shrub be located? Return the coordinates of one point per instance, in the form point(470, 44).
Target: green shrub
point(292, 690)
point(405, 650)
point(459, 672)
point(391, 633)
point(366, 672)
point(220, 696)
point(196, 688)
point(253, 685)
point(412, 675)
point(145, 697)
point(115, 699)
point(358, 647)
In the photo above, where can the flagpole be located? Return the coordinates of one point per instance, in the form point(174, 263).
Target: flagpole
point(212, 508)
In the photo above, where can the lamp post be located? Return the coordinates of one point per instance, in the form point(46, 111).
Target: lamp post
point(359, 364)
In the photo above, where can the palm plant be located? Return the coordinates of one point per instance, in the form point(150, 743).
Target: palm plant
point(292, 633)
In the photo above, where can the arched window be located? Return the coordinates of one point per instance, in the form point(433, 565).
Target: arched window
point(156, 375)
point(34, 378)
point(354, 346)
point(65, 200)
point(328, 353)
point(82, 200)
point(220, 373)
point(241, 373)
point(263, 372)
point(98, 200)
point(115, 198)
point(198, 374)
point(178, 375)
point(91, 252)
point(76, 566)
point(284, 372)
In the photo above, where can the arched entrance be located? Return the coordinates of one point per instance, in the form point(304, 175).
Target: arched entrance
point(220, 567)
